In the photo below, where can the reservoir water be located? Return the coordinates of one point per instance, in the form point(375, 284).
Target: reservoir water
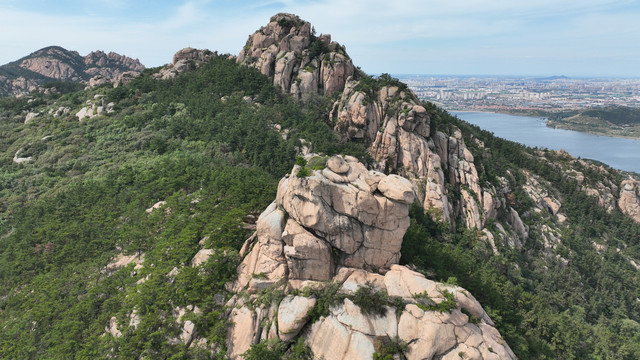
point(619, 153)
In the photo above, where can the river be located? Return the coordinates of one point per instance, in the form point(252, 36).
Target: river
point(619, 153)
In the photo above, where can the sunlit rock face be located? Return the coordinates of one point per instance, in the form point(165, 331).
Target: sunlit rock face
point(300, 63)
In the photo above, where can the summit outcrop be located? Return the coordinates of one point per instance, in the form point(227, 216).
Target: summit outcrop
point(299, 62)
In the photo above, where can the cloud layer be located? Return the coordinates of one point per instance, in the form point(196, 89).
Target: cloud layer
point(536, 37)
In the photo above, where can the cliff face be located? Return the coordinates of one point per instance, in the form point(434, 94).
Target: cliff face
point(402, 140)
point(301, 63)
point(342, 227)
point(629, 201)
point(57, 64)
point(386, 116)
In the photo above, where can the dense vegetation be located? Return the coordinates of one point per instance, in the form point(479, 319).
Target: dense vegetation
point(619, 121)
point(617, 115)
point(207, 143)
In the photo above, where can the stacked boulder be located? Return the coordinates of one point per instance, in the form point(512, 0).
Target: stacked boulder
point(342, 225)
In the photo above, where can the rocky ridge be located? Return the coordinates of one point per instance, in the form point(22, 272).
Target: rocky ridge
point(57, 64)
point(343, 224)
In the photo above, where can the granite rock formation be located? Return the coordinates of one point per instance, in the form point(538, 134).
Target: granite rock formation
point(629, 201)
point(344, 225)
point(287, 51)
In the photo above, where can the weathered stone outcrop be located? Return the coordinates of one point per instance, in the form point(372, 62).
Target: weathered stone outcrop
point(344, 224)
point(110, 65)
point(18, 87)
point(21, 159)
point(609, 194)
point(185, 60)
point(287, 51)
point(629, 201)
point(59, 111)
point(348, 333)
point(95, 107)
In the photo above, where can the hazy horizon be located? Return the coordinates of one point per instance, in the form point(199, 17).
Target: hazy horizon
point(589, 38)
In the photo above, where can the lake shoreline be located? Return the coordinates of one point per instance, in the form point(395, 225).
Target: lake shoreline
point(617, 152)
point(559, 124)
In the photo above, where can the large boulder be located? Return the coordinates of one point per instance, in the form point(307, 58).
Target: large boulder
point(363, 226)
point(292, 315)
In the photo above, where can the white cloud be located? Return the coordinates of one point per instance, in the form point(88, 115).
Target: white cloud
point(380, 35)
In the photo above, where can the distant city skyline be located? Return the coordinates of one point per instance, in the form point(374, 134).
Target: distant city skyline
point(575, 38)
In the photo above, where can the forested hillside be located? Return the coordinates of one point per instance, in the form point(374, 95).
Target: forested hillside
point(619, 121)
point(103, 219)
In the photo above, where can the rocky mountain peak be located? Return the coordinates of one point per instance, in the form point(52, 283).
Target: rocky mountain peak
point(55, 63)
point(288, 51)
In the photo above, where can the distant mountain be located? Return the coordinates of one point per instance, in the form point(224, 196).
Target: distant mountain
point(55, 63)
point(551, 78)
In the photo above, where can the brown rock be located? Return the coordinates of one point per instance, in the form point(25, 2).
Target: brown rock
point(397, 188)
point(308, 257)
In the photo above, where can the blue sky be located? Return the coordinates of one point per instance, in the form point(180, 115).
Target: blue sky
point(483, 37)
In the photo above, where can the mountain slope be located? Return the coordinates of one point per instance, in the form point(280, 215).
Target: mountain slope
point(121, 235)
point(54, 63)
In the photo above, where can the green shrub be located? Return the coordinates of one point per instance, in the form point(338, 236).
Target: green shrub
point(398, 303)
point(301, 161)
point(472, 318)
point(273, 349)
point(299, 351)
point(386, 348)
point(427, 304)
point(452, 280)
point(303, 172)
point(371, 300)
point(270, 295)
point(327, 297)
point(318, 162)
